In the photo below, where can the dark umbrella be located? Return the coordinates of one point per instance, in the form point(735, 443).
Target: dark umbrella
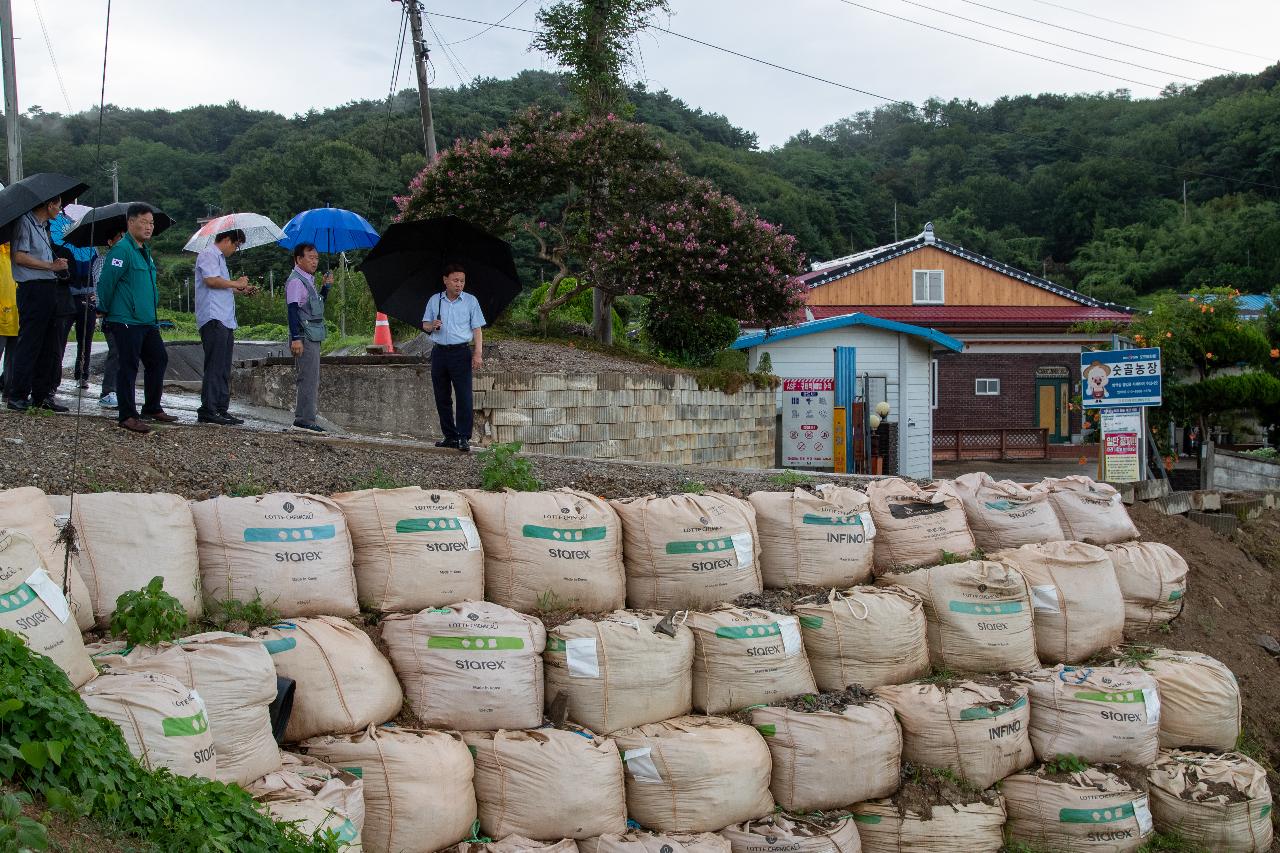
point(407, 266)
point(29, 193)
point(102, 223)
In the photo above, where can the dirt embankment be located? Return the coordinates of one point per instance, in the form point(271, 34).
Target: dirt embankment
point(1233, 595)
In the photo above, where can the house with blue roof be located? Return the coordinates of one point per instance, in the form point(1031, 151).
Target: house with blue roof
point(892, 361)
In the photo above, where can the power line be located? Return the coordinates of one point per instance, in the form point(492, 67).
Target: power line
point(52, 58)
point(487, 28)
point(1000, 46)
point(1149, 30)
point(449, 56)
point(1179, 169)
point(1046, 41)
point(1100, 38)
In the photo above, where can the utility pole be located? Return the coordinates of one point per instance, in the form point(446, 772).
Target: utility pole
point(895, 222)
point(13, 136)
point(1184, 201)
point(115, 180)
point(413, 8)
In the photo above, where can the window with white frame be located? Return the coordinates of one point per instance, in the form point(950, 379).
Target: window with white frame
point(986, 387)
point(927, 287)
point(933, 383)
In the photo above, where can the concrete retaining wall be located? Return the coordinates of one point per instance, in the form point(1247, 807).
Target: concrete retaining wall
point(1222, 469)
point(652, 418)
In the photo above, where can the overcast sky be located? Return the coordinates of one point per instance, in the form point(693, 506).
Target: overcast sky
point(292, 56)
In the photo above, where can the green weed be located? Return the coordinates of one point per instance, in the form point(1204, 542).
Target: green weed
point(693, 487)
point(949, 558)
point(1135, 655)
point(1170, 842)
point(1247, 744)
point(939, 675)
point(17, 831)
point(502, 467)
point(52, 746)
point(1066, 764)
point(249, 487)
point(551, 602)
point(149, 615)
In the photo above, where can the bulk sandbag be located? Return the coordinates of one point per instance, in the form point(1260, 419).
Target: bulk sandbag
point(562, 546)
point(974, 827)
point(342, 682)
point(695, 774)
point(27, 510)
point(164, 722)
point(794, 835)
point(1089, 810)
point(418, 794)
point(1219, 801)
point(292, 550)
point(619, 672)
point(1079, 610)
point(548, 784)
point(237, 680)
point(866, 635)
point(688, 551)
point(813, 753)
point(1105, 714)
point(474, 665)
point(32, 606)
point(916, 525)
point(820, 539)
point(1005, 514)
point(744, 656)
point(1153, 581)
point(127, 539)
point(314, 796)
point(1199, 700)
point(516, 844)
point(979, 730)
point(412, 547)
point(1088, 511)
point(637, 841)
point(978, 614)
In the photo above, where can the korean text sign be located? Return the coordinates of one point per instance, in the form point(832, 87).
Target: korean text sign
point(807, 422)
point(1127, 377)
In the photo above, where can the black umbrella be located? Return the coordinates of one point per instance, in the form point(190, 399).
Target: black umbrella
point(29, 193)
point(102, 223)
point(407, 266)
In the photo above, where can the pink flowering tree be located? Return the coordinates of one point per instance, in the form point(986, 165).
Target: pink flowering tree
point(609, 209)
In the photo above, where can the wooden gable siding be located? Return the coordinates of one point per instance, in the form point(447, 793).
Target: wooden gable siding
point(964, 283)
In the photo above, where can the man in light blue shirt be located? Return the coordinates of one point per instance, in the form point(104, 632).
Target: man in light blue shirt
point(454, 322)
point(216, 319)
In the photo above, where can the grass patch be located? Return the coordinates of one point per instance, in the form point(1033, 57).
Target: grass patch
point(249, 487)
point(693, 487)
point(1247, 744)
point(378, 479)
point(939, 675)
point(1171, 842)
point(241, 616)
point(1135, 655)
point(789, 478)
point(948, 558)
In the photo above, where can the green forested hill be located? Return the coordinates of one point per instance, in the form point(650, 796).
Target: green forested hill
point(1087, 188)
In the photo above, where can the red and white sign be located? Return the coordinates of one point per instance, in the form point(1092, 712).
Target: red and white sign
point(806, 422)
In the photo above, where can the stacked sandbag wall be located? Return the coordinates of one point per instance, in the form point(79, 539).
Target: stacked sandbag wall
point(623, 766)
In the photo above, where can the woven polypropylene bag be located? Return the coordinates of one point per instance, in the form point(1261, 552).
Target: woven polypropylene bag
point(868, 635)
point(823, 539)
point(164, 722)
point(1153, 581)
point(969, 827)
point(1092, 810)
point(1105, 714)
point(744, 656)
point(27, 510)
point(916, 525)
point(793, 835)
point(319, 797)
point(1004, 514)
point(1183, 803)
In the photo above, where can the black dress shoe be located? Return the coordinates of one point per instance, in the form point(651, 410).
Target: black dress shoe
point(214, 418)
point(52, 405)
point(307, 426)
point(447, 442)
point(231, 419)
point(18, 405)
point(464, 446)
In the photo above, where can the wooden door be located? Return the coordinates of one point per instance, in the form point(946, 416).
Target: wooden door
point(1051, 408)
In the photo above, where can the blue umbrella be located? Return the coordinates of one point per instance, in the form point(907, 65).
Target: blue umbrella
point(330, 229)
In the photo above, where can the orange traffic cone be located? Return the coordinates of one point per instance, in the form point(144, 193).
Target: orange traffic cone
point(382, 333)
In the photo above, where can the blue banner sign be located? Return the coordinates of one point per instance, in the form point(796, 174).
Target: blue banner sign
point(1126, 377)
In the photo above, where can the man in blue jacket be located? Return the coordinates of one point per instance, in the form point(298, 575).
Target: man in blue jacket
point(128, 296)
point(82, 292)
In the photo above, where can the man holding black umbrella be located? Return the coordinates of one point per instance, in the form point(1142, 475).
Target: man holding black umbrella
point(454, 322)
point(36, 364)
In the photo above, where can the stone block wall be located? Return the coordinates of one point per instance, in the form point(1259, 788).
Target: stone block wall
point(662, 417)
